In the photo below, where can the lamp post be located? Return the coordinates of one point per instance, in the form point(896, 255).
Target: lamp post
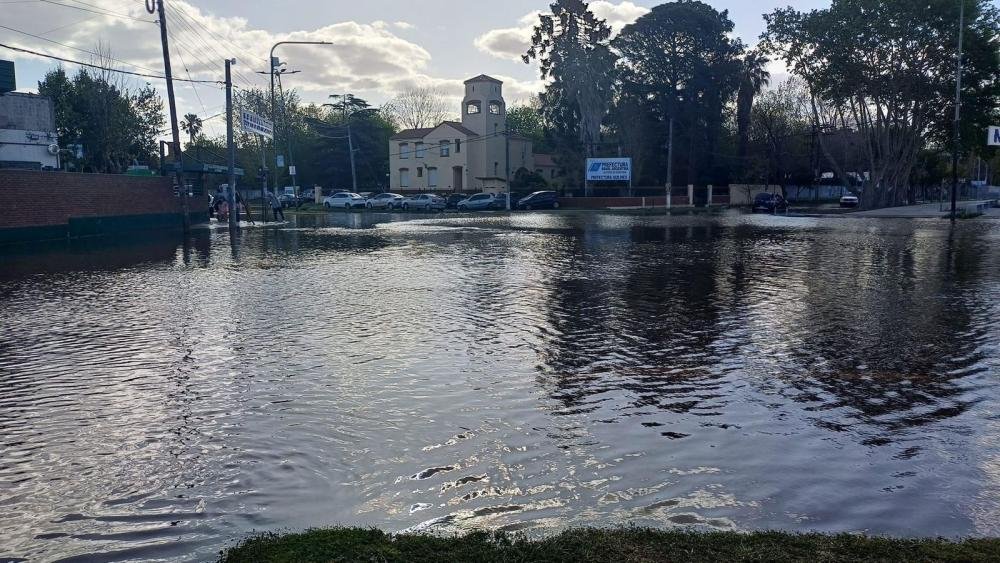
point(272, 64)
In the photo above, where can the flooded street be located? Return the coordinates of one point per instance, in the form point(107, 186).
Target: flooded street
point(160, 399)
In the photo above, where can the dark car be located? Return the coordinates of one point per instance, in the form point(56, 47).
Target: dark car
point(451, 202)
point(769, 203)
point(539, 200)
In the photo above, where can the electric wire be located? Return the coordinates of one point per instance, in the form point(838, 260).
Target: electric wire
point(90, 65)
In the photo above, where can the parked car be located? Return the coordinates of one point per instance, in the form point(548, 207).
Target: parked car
point(476, 202)
point(288, 200)
point(500, 201)
point(849, 201)
point(769, 203)
point(452, 201)
point(539, 200)
point(425, 202)
point(344, 200)
point(385, 201)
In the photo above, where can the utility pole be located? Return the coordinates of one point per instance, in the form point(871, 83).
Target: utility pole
point(231, 145)
point(506, 138)
point(670, 163)
point(175, 150)
point(350, 149)
point(956, 135)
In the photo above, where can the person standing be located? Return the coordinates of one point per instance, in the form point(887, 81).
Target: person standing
point(275, 206)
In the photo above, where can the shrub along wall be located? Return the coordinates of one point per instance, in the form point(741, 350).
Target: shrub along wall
point(48, 205)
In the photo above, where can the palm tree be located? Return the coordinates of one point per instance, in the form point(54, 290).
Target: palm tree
point(753, 78)
point(192, 125)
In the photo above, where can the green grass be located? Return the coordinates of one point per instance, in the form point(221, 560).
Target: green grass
point(617, 545)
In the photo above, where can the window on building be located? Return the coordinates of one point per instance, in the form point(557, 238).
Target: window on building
point(419, 148)
point(458, 146)
point(420, 172)
point(404, 177)
point(552, 173)
point(432, 177)
point(404, 149)
point(495, 108)
point(445, 148)
point(473, 108)
point(496, 169)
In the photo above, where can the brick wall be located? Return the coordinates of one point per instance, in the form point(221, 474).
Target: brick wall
point(36, 199)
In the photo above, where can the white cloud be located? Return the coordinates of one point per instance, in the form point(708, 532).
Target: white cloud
point(512, 42)
point(367, 59)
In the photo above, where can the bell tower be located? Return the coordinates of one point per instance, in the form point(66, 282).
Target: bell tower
point(483, 108)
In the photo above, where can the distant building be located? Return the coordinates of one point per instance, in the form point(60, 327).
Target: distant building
point(28, 136)
point(466, 156)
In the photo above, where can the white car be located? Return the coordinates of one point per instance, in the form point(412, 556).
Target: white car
point(849, 201)
point(425, 202)
point(344, 200)
point(478, 201)
point(385, 201)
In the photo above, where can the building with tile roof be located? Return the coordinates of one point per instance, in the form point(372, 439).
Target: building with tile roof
point(467, 156)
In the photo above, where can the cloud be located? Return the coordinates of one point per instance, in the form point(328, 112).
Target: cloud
point(367, 59)
point(512, 42)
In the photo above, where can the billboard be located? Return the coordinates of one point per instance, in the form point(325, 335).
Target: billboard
point(609, 169)
point(994, 138)
point(253, 123)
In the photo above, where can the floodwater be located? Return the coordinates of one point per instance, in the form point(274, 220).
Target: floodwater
point(160, 399)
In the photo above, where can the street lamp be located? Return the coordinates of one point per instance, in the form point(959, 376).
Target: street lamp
point(272, 64)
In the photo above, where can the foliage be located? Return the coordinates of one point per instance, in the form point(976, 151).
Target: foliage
point(678, 63)
point(526, 120)
point(573, 49)
point(192, 125)
point(886, 69)
point(597, 545)
point(116, 122)
point(527, 179)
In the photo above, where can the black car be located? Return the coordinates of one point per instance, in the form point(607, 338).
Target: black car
point(539, 200)
point(769, 203)
point(451, 202)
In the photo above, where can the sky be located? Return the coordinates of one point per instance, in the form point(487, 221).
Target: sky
point(380, 47)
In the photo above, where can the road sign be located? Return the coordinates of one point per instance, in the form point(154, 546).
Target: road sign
point(609, 169)
point(253, 123)
point(281, 161)
point(994, 138)
point(291, 170)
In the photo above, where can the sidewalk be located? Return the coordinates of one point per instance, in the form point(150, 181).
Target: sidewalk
point(927, 210)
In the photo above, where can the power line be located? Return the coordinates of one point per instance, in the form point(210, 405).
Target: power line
point(99, 67)
point(103, 13)
point(189, 23)
point(75, 48)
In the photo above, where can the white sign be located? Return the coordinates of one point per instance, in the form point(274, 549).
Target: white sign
point(994, 138)
point(291, 170)
point(281, 161)
point(609, 169)
point(253, 123)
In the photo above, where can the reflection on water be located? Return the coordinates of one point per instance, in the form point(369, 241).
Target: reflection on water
point(161, 398)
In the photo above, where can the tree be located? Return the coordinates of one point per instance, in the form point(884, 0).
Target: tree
point(116, 123)
point(192, 125)
point(418, 108)
point(572, 47)
point(679, 60)
point(753, 78)
point(886, 68)
point(526, 120)
point(780, 126)
point(527, 179)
